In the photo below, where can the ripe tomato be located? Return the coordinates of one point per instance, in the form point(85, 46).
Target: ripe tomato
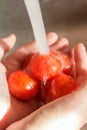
point(44, 67)
point(22, 86)
point(61, 85)
point(66, 62)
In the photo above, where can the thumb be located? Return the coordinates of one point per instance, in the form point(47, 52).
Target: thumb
point(4, 92)
point(5, 44)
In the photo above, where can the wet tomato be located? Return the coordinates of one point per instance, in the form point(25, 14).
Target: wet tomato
point(62, 85)
point(66, 62)
point(22, 86)
point(44, 67)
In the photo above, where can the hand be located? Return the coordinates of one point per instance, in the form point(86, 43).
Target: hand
point(17, 109)
point(66, 113)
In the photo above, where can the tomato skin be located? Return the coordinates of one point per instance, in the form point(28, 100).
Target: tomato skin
point(44, 67)
point(22, 86)
point(66, 62)
point(62, 85)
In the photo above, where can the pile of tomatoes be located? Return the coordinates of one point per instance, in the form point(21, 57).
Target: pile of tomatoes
point(48, 76)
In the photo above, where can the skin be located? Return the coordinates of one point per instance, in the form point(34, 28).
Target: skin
point(68, 112)
point(12, 63)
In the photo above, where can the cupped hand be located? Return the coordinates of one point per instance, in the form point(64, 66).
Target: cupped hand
point(15, 109)
point(68, 112)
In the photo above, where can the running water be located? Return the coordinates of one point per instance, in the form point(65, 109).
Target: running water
point(34, 12)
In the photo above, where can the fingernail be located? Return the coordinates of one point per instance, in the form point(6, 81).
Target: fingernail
point(10, 40)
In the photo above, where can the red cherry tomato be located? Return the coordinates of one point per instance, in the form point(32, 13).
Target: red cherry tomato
point(66, 62)
point(22, 86)
point(44, 67)
point(61, 85)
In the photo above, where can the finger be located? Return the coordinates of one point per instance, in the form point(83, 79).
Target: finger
point(6, 44)
point(9, 42)
point(62, 43)
point(67, 113)
point(31, 47)
point(80, 56)
point(4, 93)
point(52, 37)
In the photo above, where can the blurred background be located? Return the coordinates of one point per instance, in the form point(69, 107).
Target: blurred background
point(68, 18)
